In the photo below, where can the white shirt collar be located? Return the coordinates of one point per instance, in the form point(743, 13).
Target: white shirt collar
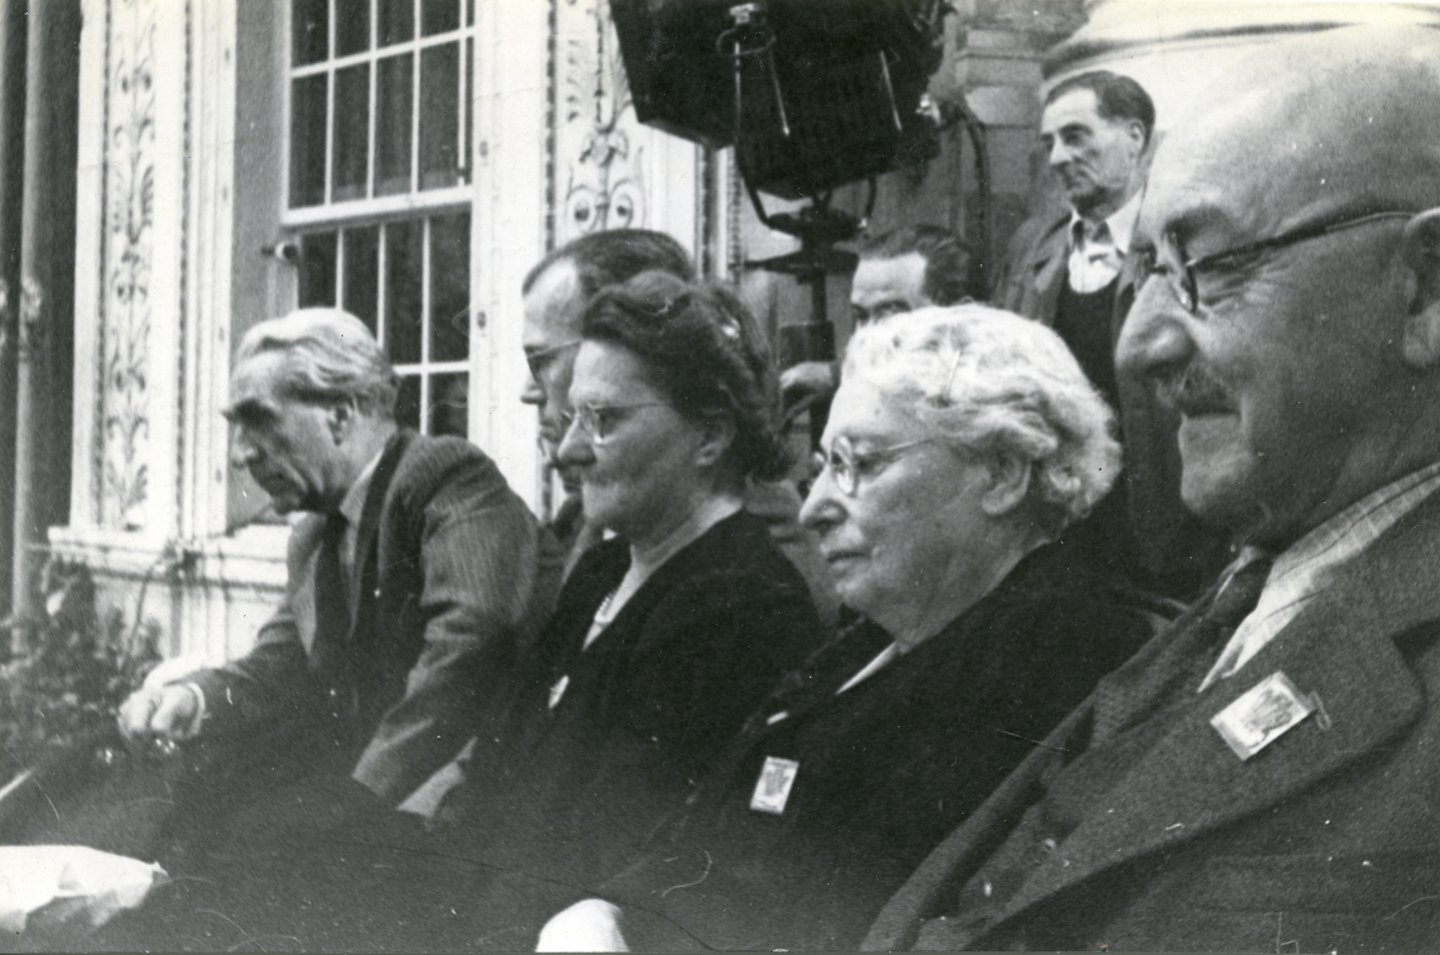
point(1120, 223)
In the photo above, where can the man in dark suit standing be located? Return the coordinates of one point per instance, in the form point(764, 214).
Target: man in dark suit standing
point(414, 575)
point(1074, 272)
point(1262, 775)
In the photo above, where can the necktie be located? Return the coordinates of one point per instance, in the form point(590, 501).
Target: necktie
point(332, 606)
point(1123, 697)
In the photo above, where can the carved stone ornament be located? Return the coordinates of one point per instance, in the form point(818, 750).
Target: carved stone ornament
point(597, 142)
point(129, 251)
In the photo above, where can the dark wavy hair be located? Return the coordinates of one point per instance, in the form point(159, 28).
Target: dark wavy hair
point(1117, 97)
point(949, 262)
point(704, 352)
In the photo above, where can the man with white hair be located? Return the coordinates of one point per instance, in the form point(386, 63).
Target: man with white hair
point(1262, 775)
point(413, 576)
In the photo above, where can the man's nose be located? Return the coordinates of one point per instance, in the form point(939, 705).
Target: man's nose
point(243, 451)
point(1057, 154)
point(1156, 339)
point(532, 393)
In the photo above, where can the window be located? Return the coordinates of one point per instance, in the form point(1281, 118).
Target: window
point(377, 197)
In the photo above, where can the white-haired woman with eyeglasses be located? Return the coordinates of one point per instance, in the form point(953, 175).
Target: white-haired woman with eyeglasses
point(961, 441)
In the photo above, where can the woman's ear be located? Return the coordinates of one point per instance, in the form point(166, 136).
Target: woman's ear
point(1421, 243)
point(717, 434)
point(340, 418)
point(1007, 486)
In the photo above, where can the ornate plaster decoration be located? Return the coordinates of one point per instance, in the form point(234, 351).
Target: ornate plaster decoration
point(598, 142)
point(129, 252)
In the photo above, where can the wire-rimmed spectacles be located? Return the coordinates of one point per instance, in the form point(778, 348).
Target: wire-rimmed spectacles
point(847, 466)
point(1182, 278)
point(540, 357)
point(599, 421)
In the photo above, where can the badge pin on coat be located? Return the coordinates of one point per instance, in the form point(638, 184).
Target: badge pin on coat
point(1264, 713)
point(772, 789)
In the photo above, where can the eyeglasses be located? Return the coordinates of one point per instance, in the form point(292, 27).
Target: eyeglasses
point(599, 421)
point(847, 466)
point(540, 357)
point(1182, 280)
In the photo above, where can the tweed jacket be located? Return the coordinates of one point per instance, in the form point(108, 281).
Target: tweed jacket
point(1178, 553)
point(1326, 840)
point(885, 769)
point(449, 580)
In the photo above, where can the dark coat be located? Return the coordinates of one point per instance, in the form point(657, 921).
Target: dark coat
point(450, 582)
point(1326, 840)
point(1175, 552)
point(886, 768)
point(648, 706)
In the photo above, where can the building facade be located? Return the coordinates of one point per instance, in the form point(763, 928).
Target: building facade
point(409, 160)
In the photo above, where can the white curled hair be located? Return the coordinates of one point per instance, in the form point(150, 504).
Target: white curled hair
point(991, 383)
point(328, 353)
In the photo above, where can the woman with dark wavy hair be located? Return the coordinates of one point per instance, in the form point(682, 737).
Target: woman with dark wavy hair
point(667, 633)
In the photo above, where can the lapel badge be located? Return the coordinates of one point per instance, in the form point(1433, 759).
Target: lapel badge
point(772, 789)
point(1262, 714)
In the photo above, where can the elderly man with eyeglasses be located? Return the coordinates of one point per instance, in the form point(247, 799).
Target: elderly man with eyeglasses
point(1262, 775)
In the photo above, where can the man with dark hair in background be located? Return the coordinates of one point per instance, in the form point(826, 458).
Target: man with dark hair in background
point(556, 292)
point(899, 271)
point(1073, 271)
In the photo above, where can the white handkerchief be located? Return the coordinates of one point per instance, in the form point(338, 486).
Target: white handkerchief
point(101, 883)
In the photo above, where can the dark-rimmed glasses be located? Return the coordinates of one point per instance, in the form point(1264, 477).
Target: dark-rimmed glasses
point(847, 466)
point(599, 421)
point(1182, 281)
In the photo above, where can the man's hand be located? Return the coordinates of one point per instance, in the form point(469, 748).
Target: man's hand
point(167, 713)
point(589, 926)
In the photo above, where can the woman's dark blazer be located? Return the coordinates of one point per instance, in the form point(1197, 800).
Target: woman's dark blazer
point(886, 768)
point(646, 708)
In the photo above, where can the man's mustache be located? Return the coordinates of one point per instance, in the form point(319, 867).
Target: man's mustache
point(1195, 390)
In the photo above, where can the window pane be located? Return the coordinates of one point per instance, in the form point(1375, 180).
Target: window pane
point(403, 276)
point(439, 116)
point(449, 405)
point(470, 12)
point(307, 141)
point(362, 247)
point(392, 125)
point(450, 287)
point(352, 129)
point(407, 405)
point(310, 25)
point(317, 269)
point(352, 26)
point(439, 16)
point(397, 21)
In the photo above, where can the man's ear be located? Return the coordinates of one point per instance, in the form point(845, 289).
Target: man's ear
point(340, 418)
point(1008, 484)
point(1421, 246)
point(717, 434)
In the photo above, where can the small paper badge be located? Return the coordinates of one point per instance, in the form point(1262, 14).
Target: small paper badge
point(772, 789)
point(1262, 714)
